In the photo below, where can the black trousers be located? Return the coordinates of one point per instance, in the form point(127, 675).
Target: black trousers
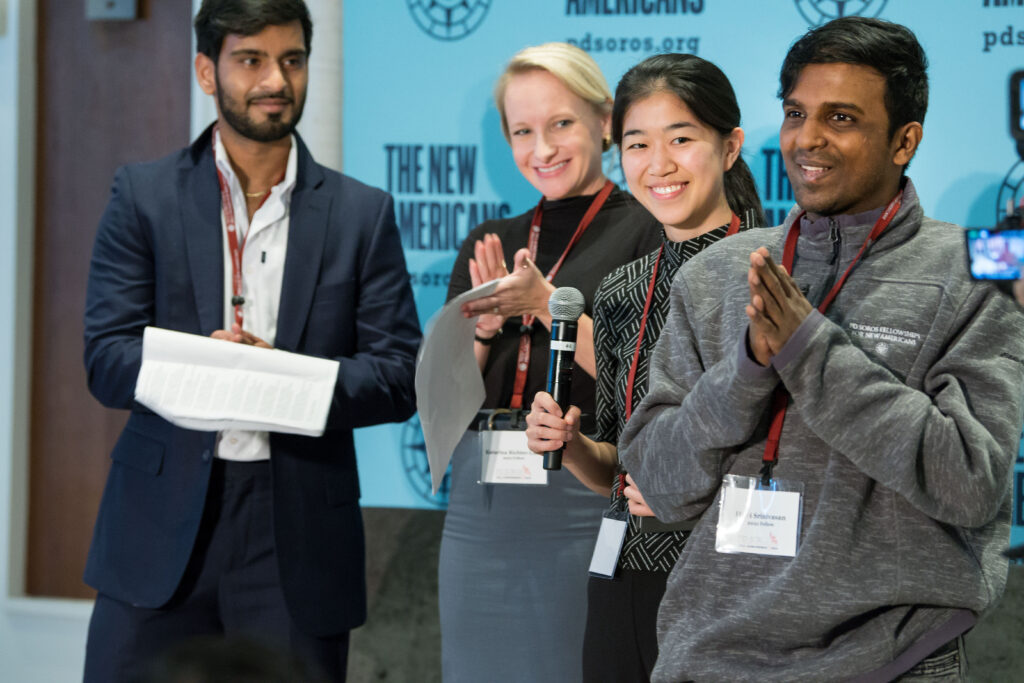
point(620, 644)
point(231, 586)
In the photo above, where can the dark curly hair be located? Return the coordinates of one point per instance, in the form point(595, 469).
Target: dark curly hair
point(218, 18)
point(890, 49)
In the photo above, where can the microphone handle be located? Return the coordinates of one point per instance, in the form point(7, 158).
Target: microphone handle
point(560, 368)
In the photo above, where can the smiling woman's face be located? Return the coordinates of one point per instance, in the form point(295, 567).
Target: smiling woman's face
point(675, 164)
point(555, 135)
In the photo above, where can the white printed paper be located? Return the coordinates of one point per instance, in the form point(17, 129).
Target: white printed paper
point(209, 384)
point(449, 388)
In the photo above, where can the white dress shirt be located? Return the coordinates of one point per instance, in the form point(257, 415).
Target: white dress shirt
point(265, 246)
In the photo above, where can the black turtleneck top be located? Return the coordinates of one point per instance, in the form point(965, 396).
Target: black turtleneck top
point(621, 232)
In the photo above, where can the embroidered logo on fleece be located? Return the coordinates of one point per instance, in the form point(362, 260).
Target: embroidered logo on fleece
point(884, 336)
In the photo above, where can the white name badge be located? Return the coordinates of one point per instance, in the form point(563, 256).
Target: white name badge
point(609, 544)
point(507, 460)
point(756, 519)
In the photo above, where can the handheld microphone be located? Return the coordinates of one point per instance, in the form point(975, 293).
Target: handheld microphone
point(566, 306)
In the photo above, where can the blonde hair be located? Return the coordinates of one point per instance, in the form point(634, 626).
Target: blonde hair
point(572, 66)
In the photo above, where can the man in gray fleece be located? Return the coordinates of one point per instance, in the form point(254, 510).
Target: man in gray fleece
point(904, 404)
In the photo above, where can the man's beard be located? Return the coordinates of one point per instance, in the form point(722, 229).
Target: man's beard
point(271, 130)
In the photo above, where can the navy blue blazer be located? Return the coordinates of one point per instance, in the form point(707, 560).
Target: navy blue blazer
point(345, 295)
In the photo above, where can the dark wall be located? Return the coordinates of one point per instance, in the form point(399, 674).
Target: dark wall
point(109, 92)
point(401, 640)
point(995, 648)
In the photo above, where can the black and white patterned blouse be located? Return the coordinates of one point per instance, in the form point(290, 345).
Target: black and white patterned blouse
point(618, 310)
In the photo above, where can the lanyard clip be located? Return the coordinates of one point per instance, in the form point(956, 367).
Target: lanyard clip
point(766, 473)
point(511, 417)
point(237, 300)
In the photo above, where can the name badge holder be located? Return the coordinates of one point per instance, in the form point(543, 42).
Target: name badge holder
point(759, 518)
point(610, 538)
point(505, 457)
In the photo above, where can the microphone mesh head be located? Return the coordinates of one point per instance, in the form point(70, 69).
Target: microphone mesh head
point(566, 303)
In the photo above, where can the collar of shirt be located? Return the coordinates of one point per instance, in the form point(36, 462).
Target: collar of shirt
point(677, 253)
point(280, 195)
point(820, 227)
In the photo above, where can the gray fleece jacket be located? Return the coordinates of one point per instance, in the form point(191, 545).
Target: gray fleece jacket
point(904, 421)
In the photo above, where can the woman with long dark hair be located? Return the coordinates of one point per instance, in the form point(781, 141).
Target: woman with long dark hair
point(676, 122)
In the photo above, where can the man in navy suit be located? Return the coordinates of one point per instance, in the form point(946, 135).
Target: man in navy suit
point(242, 237)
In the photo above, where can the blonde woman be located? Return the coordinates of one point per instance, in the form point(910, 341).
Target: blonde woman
point(514, 558)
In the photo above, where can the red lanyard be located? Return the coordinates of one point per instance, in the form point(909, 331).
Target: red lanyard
point(235, 244)
point(523, 358)
point(734, 226)
point(780, 399)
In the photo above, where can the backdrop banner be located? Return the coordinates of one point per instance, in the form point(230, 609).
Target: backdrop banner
point(419, 121)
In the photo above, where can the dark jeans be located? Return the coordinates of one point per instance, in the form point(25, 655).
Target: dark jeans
point(948, 663)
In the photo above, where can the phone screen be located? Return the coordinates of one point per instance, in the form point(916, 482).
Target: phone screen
point(995, 254)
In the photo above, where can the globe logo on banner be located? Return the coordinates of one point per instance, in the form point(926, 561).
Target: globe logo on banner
point(818, 12)
point(448, 19)
point(417, 469)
